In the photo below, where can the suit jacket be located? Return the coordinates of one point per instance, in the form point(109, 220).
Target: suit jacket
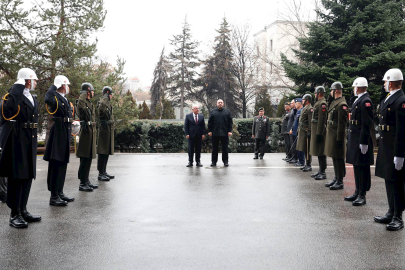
point(192, 128)
point(291, 119)
point(284, 123)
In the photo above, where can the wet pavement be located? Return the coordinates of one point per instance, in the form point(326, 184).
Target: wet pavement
point(158, 214)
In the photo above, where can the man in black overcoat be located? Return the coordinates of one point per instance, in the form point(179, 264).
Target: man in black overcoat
point(285, 130)
point(194, 129)
point(19, 142)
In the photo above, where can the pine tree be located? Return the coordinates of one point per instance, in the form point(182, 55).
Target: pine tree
point(353, 38)
point(184, 61)
point(168, 111)
point(145, 113)
point(263, 100)
point(280, 108)
point(159, 85)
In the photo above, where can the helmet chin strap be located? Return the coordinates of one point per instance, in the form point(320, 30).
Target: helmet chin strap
point(387, 87)
point(32, 85)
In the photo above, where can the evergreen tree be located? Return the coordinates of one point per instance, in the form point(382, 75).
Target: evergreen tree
point(353, 38)
point(280, 108)
point(159, 85)
point(263, 100)
point(145, 113)
point(184, 61)
point(168, 111)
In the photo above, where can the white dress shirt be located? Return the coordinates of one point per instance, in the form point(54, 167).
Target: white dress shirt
point(29, 96)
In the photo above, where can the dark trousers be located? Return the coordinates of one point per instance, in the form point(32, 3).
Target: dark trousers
point(84, 168)
point(293, 145)
point(102, 163)
point(395, 195)
point(215, 145)
point(287, 144)
point(362, 178)
point(56, 177)
point(322, 163)
point(3, 187)
point(194, 146)
point(18, 191)
point(339, 167)
point(260, 146)
point(301, 157)
point(308, 157)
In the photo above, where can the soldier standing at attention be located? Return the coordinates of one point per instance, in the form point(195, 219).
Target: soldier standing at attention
point(86, 149)
point(304, 132)
point(260, 132)
point(335, 146)
point(105, 146)
point(318, 130)
point(57, 150)
point(391, 149)
point(284, 130)
point(19, 142)
point(360, 142)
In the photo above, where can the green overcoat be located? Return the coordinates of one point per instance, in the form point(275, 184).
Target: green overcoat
point(336, 128)
point(105, 144)
point(318, 127)
point(304, 129)
point(87, 135)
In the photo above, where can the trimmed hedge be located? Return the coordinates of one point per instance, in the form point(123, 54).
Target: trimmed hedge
point(155, 136)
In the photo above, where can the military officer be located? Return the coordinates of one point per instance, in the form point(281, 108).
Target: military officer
point(391, 149)
point(304, 131)
point(260, 132)
point(57, 150)
point(284, 129)
point(318, 130)
point(86, 149)
point(335, 146)
point(291, 151)
point(105, 146)
point(360, 142)
point(19, 142)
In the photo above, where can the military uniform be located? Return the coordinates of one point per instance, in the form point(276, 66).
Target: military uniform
point(86, 149)
point(261, 131)
point(57, 150)
point(335, 146)
point(304, 134)
point(360, 125)
point(284, 131)
point(105, 143)
point(318, 130)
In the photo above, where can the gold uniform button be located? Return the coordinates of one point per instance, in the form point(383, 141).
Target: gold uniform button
point(33, 136)
point(382, 138)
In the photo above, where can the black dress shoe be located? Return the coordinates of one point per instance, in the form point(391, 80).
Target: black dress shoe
point(255, 157)
point(18, 222)
point(198, 164)
point(303, 167)
point(288, 160)
point(299, 164)
point(3, 199)
point(396, 224)
point(307, 169)
point(293, 161)
point(213, 164)
point(102, 177)
point(351, 198)
point(65, 198)
point(320, 176)
point(30, 218)
point(315, 174)
point(338, 185)
point(190, 164)
point(361, 200)
point(109, 176)
point(56, 201)
point(226, 164)
point(386, 219)
point(261, 157)
point(331, 183)
point(93, 186)
point(85, 187)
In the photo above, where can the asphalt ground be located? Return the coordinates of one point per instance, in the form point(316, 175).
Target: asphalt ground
point(158, 214)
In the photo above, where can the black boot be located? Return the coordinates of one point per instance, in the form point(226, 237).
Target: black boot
point(16, 220)
point(361, 200)
point(396, 223)
point(112, 176)
point(28, 217)
point(386, 219)
point(56, 201)
point(198, 164)
point(321, 176)
point(65, 198)
point(256, 156)
point(84, 187)
point(190, 164)
point(307, 169)
point(226, 164)
point(93, 186)
point(331, 183)
point(353, 197)
point(103, 177)
point(213, 164)
point(315, 174)
point(338, 185)
point(303, 167)
point(261, 157)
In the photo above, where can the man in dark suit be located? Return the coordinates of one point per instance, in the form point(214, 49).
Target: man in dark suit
point(291, 151)
point(194, 128)
point(284, 129)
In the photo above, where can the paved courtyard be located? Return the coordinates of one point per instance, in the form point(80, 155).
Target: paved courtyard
point(158, 214)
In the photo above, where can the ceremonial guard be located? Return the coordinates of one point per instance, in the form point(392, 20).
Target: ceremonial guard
point(86, 149)
point(291, 151)
point(19, 142)
point(318, 130)
point(260, 132)
point(304, 132)
point(284, 130)
point(360, 142)
point(335, 146)
point(105, 145)
point(391, 148)
point(57, 150)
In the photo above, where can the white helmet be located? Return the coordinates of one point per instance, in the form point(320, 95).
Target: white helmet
point(60, 80)
point(360, 82)
point(393, 75)
point(27, 74)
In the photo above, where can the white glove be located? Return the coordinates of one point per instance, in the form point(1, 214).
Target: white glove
point(399, 163)
point(363, 148)
point(20, 81)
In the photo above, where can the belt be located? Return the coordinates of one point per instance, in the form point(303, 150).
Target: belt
point(386, 128)
point(63, 120)
point(354, 122)
point(89, 123)
point(29, 125)
point(314, 121)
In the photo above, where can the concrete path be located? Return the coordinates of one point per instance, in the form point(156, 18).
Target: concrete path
point(158, 214)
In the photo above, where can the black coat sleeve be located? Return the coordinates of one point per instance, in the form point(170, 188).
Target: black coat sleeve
point(50, 97)
point(186, 126)
point(210, 122)
point(10, 106)
point(230, 122)
point(367, 121)
point(399, 150)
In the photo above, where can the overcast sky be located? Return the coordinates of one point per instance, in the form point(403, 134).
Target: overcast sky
point(138, 30)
